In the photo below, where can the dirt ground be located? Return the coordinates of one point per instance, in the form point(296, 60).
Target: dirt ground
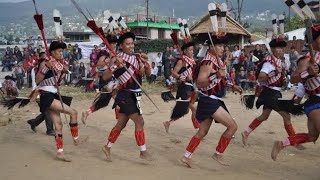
point(28, 155)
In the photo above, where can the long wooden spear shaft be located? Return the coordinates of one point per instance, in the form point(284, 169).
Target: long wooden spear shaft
point(92, 25)
point(211, 41)
point(308, 25)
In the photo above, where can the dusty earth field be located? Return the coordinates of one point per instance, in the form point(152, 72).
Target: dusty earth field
point(28, 155)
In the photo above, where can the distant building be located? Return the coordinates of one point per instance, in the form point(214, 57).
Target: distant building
point(236, 33)
point(88, 37)
point(156, 29)
point(79, 36)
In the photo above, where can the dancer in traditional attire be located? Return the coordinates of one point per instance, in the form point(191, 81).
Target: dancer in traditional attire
point(271, 78)
point(307, 73)
point(49, 76)
point(107, 88)
point(183, 72)
point(211, 81)
point(129, 93)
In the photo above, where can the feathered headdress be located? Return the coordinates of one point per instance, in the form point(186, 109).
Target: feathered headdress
point(218, 36)
point(117, 27)
point(278, 37)
point(58, 25)
point(185, 33)
point(306, 14)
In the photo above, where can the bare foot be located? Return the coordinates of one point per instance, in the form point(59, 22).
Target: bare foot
point(166, 126)
point(300, 147)
point(146, 156)
point(107, 152)
point(186, 161)
point(244, 138)
point(84, 117)
point(79, 141)
point(60, 156)
point(277, 147)
point(219, 159)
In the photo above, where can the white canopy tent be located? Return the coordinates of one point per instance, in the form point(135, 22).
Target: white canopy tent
point(298, 33)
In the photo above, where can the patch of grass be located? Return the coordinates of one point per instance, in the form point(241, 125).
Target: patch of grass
point(77, 93)
point(153, 88)
point(80, 94)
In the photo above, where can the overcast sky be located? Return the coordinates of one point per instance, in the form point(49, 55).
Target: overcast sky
point(13, 0)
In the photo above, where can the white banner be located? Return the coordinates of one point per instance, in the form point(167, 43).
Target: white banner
point(86, 50)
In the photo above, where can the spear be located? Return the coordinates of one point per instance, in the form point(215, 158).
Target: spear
point(39, 20)
point(210, 38)
point(89, 13)
point(174, 37)
point(92, 25)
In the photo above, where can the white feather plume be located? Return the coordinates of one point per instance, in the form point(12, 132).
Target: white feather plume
point(183, 33)
point(120, 20)
point(297, 10)
point(306, 9)
point(214, 20)
point(274, 24)
point(281, 23)
point(224, 10)
point(57, 21)
point(111, 19)
point(106, 13)
point(186, 28)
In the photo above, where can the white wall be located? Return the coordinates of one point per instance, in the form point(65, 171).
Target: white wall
point(95, 39)
point(167, 33)
point(153, 33)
